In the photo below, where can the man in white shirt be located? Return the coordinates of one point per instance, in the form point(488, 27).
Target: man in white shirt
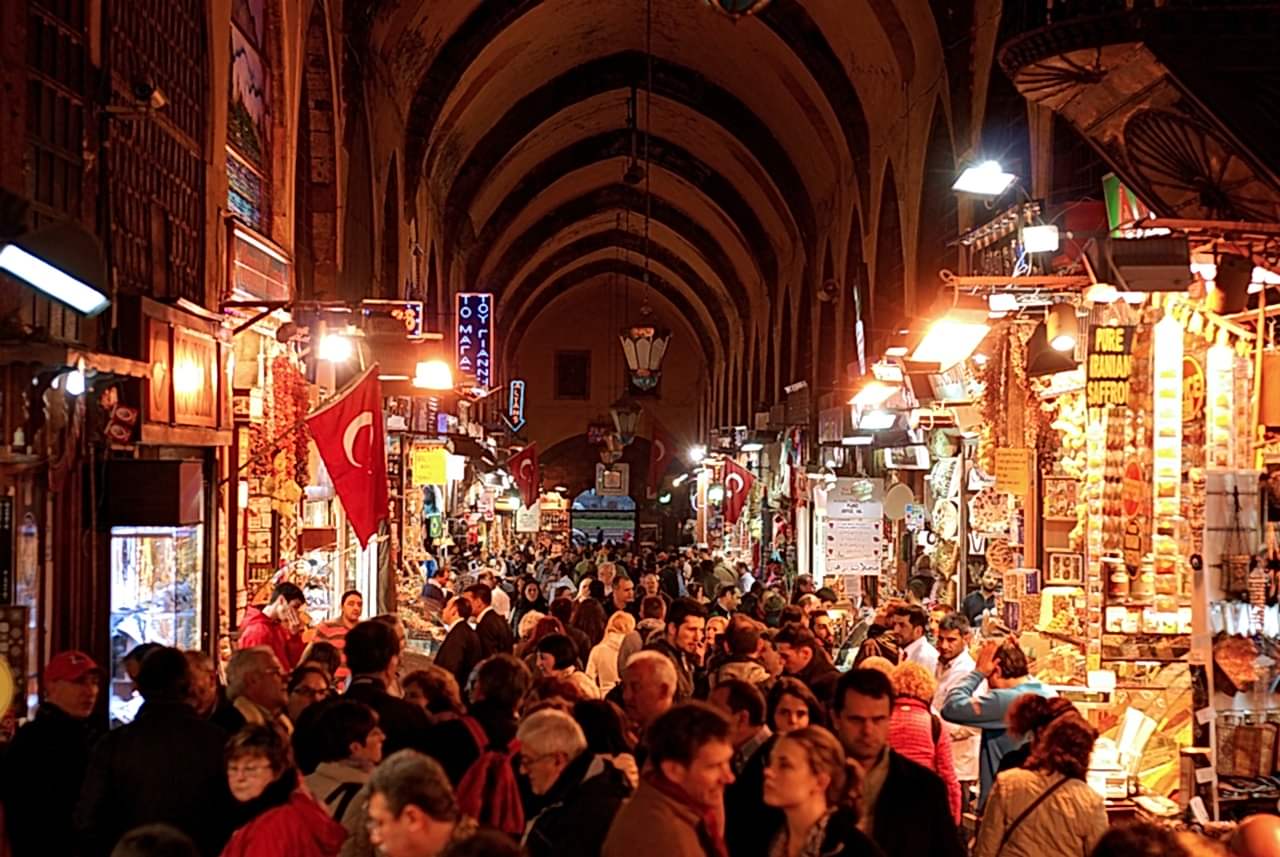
point(501, 601)
point(954, 663)
point(909, 625)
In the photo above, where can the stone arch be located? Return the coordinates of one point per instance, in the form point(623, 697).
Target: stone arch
point(389, 279)
point(888, 291)
point(939, 207)
point(315, 222)
point(856, 298)
point(829, 372)
point(357, 249)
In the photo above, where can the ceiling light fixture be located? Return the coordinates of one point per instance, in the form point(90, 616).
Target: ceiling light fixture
point(984, 179)
point(1061, 327)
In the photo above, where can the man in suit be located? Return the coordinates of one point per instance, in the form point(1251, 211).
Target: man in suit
point(905, 807)
point(373, 653)
point(461, 649)
point(495, 633)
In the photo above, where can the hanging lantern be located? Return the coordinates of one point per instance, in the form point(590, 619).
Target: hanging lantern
point(644, 347)
point(626, 416)
point(738, 8)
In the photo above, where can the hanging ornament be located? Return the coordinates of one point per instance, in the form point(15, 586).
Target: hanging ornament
point(738, 8)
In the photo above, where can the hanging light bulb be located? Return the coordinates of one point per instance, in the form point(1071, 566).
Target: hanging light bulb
point(1061, 327)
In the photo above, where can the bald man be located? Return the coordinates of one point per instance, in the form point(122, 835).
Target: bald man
point(1257, 836)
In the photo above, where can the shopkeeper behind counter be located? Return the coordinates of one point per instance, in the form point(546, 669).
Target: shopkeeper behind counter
point(979, 601)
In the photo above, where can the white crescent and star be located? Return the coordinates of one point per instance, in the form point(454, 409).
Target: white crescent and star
point(662, 449)
point(362, 420)
point(525, 466)
point(732, 478)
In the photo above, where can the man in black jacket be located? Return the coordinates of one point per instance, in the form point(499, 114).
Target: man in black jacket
point(373, 653)
point(45, 765)
point(167, 766)
point(804, 658)
point(686, 626)
point(750, 825)
point(495, 633)
point(461, 649)
point(579, 792)
point(499, 688)
point(905, 804)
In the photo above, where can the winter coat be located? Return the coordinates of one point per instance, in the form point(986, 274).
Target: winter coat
point(495, 634)
point(1068, 823)
point(653, 822)
point(259, 629)
point(836, 833)
point(911, 817)
point(585, 685)
point(287, 822)
point(741, 669)
point(636, 640)
point(750, 824)
point(577, 810)
point(602, 666)
point(460, 652)
point(167, 766)
point(820, 675)
point(335, 786)
point(915, 732)
point(43, 771)
point(684, 670)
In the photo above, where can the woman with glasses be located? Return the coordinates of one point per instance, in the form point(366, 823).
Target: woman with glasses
point(277, 815)
point(308, 684)
point(350, 747)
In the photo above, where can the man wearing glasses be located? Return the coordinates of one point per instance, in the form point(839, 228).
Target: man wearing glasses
point(256, 686)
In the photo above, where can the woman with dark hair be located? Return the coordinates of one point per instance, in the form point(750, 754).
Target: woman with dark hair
point(605, 727)
point(793, 706)
point(528, 650)
point(277, 814)
point(589, 618)
point(558, 658)
point(435, 690)
point(1028, 717)
point(529, 600)
point(816, 787)
point(1046, 809)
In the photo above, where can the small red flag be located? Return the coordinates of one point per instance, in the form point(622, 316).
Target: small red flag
point(661, 450)
point(738, 482)
point(349, 435)
point(523, 467)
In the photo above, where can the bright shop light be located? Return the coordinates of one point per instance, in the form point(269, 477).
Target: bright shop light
point(1002, 302)
point(897, 351)
point(872, 395)
point(752, 446)
point(1102, 293)
point(715, 493)
point(1040, 239)
point(877, 421)
point(335, 348)
point(857, 440)
point(433, 375)
point(1062, 328)
point(697, 452)
point(74, 385)
point(77, 287)
point(985, 179)
point(949, 341)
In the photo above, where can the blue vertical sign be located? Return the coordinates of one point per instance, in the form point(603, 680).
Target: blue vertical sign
point(514, 415)
point(474, 336)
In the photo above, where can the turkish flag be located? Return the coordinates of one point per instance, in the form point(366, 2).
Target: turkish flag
point(661, 450)
point(738, 482)
point(348, 432)
point(523, 467)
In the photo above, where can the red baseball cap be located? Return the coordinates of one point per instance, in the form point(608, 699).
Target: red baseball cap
point(69, 666)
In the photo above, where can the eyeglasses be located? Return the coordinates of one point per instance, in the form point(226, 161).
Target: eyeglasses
point(527, 762)
point(255, 769)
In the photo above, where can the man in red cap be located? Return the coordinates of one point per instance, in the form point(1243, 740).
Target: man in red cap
point(47, 760)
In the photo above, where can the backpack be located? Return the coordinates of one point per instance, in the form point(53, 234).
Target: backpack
point(488, 791)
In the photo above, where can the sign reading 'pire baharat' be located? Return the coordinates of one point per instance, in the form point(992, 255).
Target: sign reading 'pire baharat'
point(1110, 360)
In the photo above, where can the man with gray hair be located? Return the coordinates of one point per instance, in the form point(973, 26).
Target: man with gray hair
point(649, 684)
point(257, 689)
point(580, 791)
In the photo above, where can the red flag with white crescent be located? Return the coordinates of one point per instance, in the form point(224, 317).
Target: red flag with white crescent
point(661, 451)
point(349, 434)
point(523, 467)
point(738, 482)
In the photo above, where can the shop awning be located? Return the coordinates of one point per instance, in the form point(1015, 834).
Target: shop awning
point(469, 447)
point(51, 354)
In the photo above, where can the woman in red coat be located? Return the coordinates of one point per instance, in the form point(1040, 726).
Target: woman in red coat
point(279, 817)
point(917, 733)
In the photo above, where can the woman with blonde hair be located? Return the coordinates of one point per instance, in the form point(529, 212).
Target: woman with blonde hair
point(817, 789)
point(919, 734)
point(602, 664)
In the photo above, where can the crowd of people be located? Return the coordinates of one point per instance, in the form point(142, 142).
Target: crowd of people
point(609, 702)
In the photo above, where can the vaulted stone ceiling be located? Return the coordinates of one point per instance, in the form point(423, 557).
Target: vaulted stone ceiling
point(515, 130)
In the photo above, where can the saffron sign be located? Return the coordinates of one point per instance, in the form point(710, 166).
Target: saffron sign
point(1110, 357)
point(474, 336)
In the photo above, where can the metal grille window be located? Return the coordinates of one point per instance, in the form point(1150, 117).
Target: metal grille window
point(157, 164)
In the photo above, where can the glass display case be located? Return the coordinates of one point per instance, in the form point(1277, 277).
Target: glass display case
point(156, 588)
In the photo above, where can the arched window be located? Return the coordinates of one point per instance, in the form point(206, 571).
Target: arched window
point(249, 116)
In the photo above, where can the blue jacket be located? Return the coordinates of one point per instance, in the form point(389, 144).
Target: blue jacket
point(987, 712)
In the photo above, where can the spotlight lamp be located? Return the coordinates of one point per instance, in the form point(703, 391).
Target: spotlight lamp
point(715, 493)
point(985, 179)
point(1061, 327)
point(697, 452)
point(63, 262)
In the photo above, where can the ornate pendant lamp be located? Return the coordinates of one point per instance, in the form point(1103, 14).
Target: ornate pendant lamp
point(626, 416)
point(738, 8)
point(644, 346)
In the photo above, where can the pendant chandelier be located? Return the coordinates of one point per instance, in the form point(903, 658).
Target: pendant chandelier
point(626, 417)
point(738, 8)
point(644, 344)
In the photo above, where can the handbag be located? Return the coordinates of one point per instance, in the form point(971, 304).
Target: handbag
point(1008, 831)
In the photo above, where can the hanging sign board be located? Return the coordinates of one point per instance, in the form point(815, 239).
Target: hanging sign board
point(1013, 472)
point(514, 414)
point(529, 519)
point(1109, 361)
point(429, 466)
point(474, 336)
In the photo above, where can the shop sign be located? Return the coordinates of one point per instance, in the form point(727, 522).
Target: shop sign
point(399, 318)
point(488, 501)
point(1013, 471)
point(474, 336)
point(831, 424)
point(1193, 390)
point(613, 480)
point(1108, 369)
point(6, 550)
point(429, 466)
point(1124, 209)
point(528, 519)
point(514, 414)
point(1133, 489)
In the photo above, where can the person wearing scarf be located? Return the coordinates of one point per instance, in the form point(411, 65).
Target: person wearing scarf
point(678, 810)
point(277, 815)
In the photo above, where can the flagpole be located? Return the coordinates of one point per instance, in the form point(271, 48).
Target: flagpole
point(274, 446)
